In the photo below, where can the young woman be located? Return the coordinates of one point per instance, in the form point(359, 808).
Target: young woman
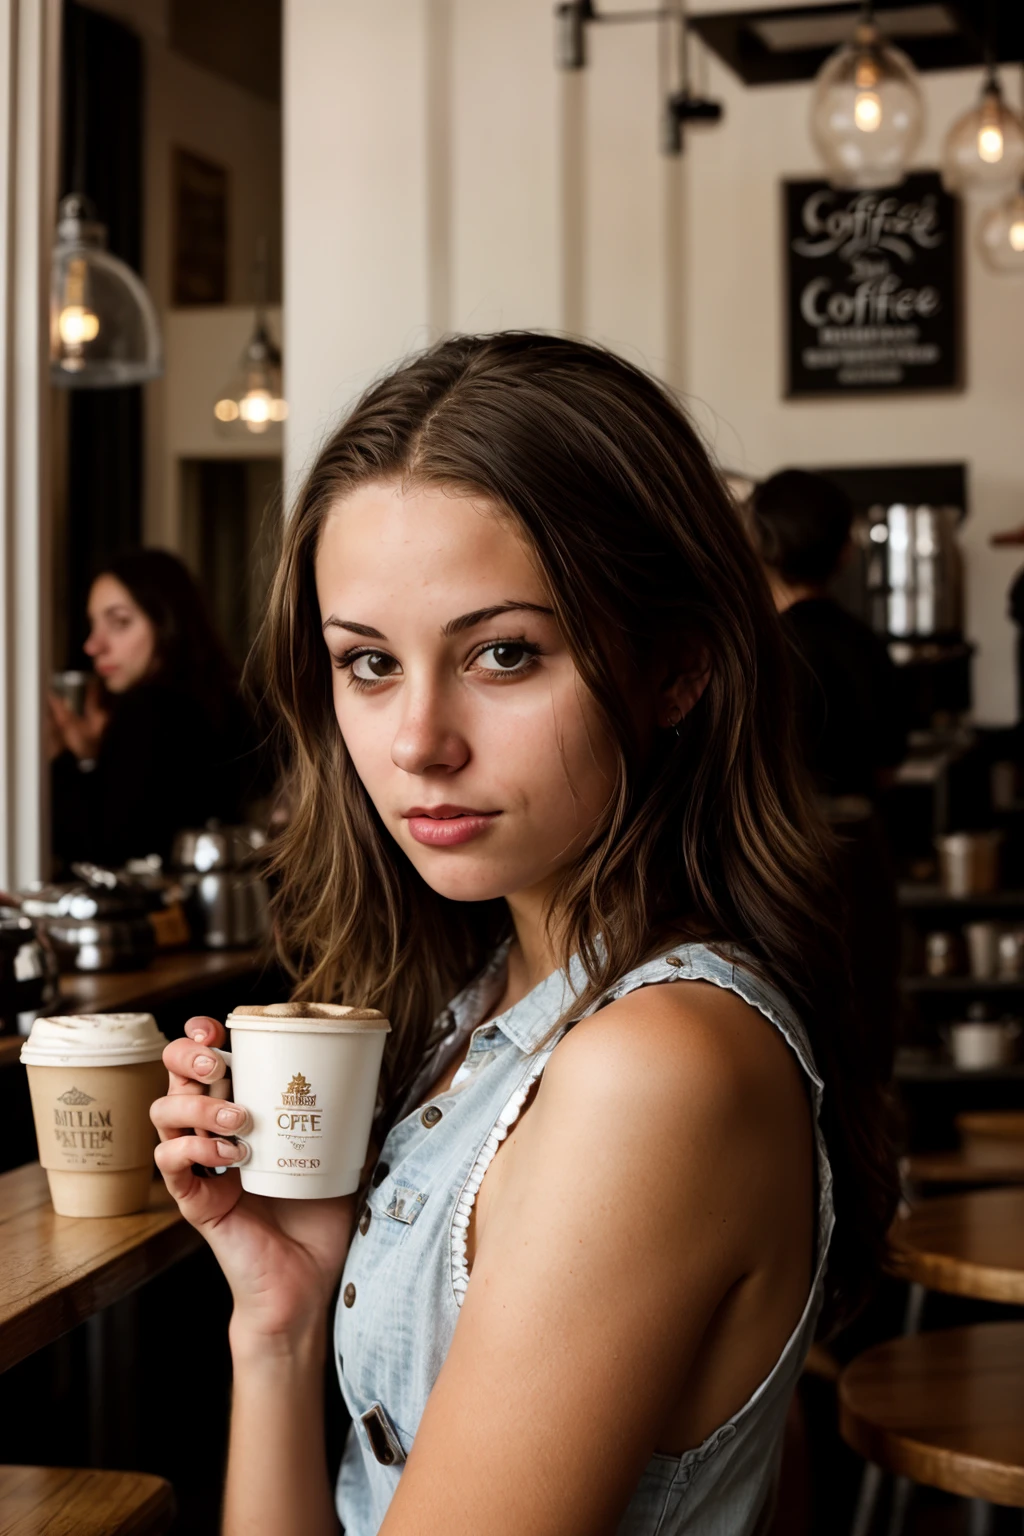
point(535, 695)
point(164, 741)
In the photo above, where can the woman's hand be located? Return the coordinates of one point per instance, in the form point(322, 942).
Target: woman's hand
point(281, 1258)
point(80, 734)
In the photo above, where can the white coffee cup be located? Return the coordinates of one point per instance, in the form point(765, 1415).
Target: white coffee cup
point(307, 1073)
point(979, 1044)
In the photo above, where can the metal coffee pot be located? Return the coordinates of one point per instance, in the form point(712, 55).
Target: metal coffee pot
point(227, 897)
point(28, 970)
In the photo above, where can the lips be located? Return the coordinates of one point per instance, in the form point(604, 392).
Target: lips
point(448, 826)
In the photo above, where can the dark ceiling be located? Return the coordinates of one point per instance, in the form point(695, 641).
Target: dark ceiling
point(765, 47)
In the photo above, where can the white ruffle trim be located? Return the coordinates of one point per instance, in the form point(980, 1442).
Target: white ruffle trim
point(467, 1198)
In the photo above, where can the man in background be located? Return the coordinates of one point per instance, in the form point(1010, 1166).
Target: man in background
point(850, 721)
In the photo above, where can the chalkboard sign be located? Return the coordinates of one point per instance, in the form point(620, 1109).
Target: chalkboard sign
point(873, 288)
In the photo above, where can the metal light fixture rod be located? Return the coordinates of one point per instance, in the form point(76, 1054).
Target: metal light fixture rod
point(571, 19)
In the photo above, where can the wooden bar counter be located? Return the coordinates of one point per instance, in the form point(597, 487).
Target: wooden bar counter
point(60, 1270)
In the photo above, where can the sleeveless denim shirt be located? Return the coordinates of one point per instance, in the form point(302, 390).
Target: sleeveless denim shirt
point(406, 1271)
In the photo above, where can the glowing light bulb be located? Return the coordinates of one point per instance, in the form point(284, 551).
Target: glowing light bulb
point(254, 409)
point(867, 111)
point(1016, 235)
point(226, 410)
point(990, 143)
point(77, 325)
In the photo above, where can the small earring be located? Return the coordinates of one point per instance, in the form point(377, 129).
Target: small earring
point(676, 723)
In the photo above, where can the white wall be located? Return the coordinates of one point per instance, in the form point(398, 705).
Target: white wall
point(441, 173)
point(732, 277)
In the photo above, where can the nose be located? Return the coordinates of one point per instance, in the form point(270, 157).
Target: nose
point(92, 646)
point(427, 738)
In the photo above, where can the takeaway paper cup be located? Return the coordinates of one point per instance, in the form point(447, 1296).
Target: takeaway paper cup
point(92, 1079)
point(307, 1073)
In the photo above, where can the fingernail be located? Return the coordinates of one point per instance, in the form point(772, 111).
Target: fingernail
point(197, 1033)
point(230, 1116)
point(203, 1063)
point(227, 1149)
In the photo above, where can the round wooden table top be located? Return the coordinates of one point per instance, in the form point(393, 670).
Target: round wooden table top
point(967, 1245)
point(996, 1161)
point(997, 1124)
point(944, 1408)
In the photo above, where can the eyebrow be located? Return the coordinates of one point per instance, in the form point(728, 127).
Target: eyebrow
point(453, 627)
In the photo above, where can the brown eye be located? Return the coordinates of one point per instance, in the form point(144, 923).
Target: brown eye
point(506, 657)
point(373, 665)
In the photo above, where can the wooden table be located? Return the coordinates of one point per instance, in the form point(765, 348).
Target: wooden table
point(997, 1162)
point(172, 975)
point(966, 1245)
point(943, 1408)
point(59, 1270)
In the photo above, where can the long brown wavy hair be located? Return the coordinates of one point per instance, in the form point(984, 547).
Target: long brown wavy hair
point(713, 834)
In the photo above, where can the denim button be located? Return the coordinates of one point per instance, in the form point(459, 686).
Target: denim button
point(364, 1220)
point(380, 1173)
point(348, 1296)
point(430, 1116)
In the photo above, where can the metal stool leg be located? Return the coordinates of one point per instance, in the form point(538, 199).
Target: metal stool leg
point(979, 1517)
point(902, 1489)
point(912, 1317)
point(867, 1500)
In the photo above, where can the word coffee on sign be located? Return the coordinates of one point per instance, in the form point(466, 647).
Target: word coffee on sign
point(873, 286)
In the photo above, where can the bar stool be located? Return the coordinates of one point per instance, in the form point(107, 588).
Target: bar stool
point(990, 1160)
point(74, 1501)
point(980, 1128)
point(945, 1409)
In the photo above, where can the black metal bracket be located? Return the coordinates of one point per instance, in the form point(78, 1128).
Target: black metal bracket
point(572, 18)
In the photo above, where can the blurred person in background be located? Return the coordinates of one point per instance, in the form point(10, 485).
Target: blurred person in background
point(164, 741)
point(850, 720)
point(849, 712)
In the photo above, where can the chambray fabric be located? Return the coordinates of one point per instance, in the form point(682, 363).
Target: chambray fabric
point(402, 1276)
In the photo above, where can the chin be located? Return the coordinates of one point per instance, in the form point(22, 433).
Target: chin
point(462, 879)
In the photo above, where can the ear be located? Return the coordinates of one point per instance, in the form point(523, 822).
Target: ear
point(680, 689)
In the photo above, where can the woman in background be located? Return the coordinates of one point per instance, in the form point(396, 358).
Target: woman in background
point(164, 741)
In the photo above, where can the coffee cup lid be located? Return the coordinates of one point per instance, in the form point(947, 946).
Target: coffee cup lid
point(333, 1018)
point(93, 1040)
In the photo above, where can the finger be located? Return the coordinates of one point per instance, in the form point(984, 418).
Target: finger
point(180, 1114)
point(178, 1154)
point(205, 1030)
point(192, 1067)
point(201, 1196)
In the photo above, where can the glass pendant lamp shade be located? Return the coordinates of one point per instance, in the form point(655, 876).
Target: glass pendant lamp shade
point(867, 113)
point(985, 147)
point(253, 400)
point(1001, 234)
point(103, 327)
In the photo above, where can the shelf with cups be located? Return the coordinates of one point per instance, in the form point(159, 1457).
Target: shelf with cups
point(916, 1065)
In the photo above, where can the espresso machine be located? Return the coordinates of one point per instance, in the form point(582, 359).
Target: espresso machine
point(905, 580)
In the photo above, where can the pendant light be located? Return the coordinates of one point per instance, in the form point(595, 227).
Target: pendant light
point(1001, 234)
point(867, 112)
point(253, 401)
point(103, 327)
point(985, 147)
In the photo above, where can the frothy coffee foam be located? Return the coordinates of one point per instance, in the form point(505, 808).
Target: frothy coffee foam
point(325, 1011)
point(94, 1039)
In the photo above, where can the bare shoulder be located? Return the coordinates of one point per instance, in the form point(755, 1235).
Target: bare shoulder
point(682, 1050)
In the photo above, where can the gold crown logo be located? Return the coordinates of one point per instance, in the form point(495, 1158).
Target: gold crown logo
point(298, 1085)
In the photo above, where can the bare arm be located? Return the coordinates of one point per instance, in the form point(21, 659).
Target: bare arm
point(634, 1209)
point(277, 1468)
point(281, 1259)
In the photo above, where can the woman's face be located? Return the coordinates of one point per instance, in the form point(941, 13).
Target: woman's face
point(122, 640)
point(460, 706)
